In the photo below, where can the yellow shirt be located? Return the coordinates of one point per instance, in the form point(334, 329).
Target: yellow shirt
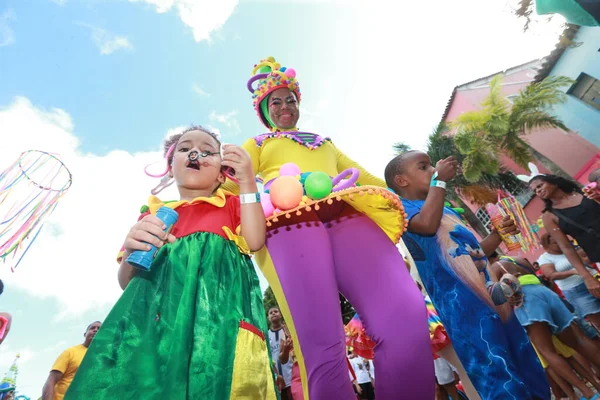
point(275, 152)
point(67, 363)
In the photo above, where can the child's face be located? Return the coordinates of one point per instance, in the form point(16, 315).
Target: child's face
point(204, 173)
point(416, 174)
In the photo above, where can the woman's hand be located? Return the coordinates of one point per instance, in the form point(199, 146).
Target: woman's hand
point(239, 160)
point(591, 193)
point(149, 230)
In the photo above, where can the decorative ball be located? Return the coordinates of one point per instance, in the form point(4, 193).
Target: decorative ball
point(289, 169)
point(282, 69)
point(265, 69)
point(291, 72)
point(271, 59)
point(318, 185)
point(267, 206)
point(286, 192)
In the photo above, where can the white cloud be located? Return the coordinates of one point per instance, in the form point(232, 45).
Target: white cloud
point(74, 257)
point(390, 77)
point(77, 266)
point(108, 42)
point(227, 119)
point(199, 91)
point(204, 17)
point(7, 35)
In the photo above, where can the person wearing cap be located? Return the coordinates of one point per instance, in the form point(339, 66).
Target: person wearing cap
point(340, 237)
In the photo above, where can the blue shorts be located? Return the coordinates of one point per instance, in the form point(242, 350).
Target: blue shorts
point(541, 304)
point(582, 300)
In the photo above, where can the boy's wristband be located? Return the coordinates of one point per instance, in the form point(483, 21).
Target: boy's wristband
point(250, 198)
point(436, 183)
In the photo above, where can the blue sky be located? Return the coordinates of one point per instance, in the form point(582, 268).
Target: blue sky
point(103, 82)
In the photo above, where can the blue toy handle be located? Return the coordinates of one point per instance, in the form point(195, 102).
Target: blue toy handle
point(143, 259)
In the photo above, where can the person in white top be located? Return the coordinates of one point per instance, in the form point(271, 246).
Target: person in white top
point(557, 267)
point(364, 378)
point(277, 338)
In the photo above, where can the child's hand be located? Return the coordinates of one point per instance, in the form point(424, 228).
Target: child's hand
point(237, 158)
point(149, 229)
point(446, 169)
point(508, 226)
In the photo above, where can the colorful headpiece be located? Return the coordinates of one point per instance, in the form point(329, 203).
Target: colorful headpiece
point(534, 172)
point(271, 76)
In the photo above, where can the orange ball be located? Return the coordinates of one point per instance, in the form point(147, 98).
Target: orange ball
point(286, 192)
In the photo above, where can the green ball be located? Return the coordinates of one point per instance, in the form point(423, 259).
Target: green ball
point(318, 185)
point(265, 69)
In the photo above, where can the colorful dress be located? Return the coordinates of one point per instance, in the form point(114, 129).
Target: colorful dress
point(489, 341)
point(344, 242)
point(193, 327)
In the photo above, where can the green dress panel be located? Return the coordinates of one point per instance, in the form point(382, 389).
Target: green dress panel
point(172, 334)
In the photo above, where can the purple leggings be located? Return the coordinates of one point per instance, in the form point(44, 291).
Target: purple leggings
point(356, 258)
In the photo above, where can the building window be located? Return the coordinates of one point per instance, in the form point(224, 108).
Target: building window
point(587, 89)
point(520, 190)
point(485, 218)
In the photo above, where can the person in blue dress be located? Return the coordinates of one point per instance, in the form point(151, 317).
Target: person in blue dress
point(452, 264)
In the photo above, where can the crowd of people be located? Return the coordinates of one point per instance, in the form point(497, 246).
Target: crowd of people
point(475, 325)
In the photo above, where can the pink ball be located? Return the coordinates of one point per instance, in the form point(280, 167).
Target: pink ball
point(267, 206)
point(286, 192)
point(291, 72)
point(289, 169)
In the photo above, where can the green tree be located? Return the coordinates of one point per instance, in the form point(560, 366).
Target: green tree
point(499, 127)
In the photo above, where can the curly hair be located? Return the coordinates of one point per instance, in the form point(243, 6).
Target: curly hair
point(563, 184)
point(175, 138)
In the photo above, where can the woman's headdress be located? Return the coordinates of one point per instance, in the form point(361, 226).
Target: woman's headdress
point(270, 76)
point(534, 172)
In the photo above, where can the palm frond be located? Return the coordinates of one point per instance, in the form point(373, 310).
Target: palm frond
point(401, 147)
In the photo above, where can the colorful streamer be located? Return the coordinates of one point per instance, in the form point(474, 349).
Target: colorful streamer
point(29, 191)
point(528, 238)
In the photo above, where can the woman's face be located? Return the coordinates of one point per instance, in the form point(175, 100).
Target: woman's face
point(283, 108)
point(542, 189)
point(553, 247)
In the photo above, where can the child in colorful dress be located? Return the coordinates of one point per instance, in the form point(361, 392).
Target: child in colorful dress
point(193, 326)
point(452, 264)
point(551, 326)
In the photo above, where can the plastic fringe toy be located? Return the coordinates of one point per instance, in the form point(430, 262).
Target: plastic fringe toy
point(29, 191)
point(528, 238)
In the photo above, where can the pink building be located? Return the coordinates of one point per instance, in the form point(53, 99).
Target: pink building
point(570, 151)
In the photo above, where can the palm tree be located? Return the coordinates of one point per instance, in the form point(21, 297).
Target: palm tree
point(440, 145)
point(500, 127)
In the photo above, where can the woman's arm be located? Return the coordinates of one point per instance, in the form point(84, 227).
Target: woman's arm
point(550, 272)
point(551, 225)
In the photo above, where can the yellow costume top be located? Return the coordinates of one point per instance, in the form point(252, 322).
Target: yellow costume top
point(270, 151)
